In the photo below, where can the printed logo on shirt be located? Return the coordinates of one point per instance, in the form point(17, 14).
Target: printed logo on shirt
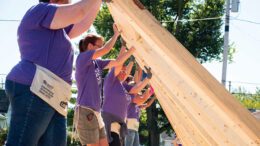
point(98, 73)
point(137, 110)
point(128, 97)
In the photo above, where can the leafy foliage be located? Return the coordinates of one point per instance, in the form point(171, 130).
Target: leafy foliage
point(3, 136)
point(70, 116)
point(75, 141)
point(250, 101)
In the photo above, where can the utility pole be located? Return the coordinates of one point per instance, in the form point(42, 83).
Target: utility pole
point(235, 5)
point(225, 51)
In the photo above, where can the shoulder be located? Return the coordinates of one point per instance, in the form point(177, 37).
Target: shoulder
point(42, 6)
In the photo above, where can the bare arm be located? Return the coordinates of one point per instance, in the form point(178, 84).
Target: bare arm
point(175, 141)
point(108, 46)
point(121, 58)
point(148, 104)
point(85, 24)
point(138, 87)
point(69, 14)
point(128, 70)
point(118, 69)
point(139, 100)
point(138, 74)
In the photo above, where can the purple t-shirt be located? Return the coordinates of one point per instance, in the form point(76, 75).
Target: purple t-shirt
point(89, 79)
point(116, 96)
point(41, 45)
point(133, 111)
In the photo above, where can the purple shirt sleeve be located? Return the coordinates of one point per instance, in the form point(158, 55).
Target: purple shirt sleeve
point(41, 15)
point(68, 28)
point(103, 62)
point(127, 86)
point(111, 75)
point(84, 59)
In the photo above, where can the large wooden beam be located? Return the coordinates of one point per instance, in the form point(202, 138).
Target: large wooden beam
point(199, 108)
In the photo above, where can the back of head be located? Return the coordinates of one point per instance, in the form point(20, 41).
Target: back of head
point(90, 38)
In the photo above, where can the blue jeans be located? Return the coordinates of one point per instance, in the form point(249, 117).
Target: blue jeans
point(33, 121)
point(132, 139)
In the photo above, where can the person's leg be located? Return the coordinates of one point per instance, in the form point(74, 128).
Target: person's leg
point(95, 144)
point(103, 142)
point(102, 137)
point(129, 140)
point(116, 139)
point(30, 115)
point(136, 140)
point(55, 133)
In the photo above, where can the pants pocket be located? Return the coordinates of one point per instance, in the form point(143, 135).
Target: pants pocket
point(86, 119)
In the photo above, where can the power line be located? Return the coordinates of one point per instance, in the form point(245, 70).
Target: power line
point(9, 20)
point(183, 20)
point(234, 25)
point(249, 21)
point(201, 19)
point(246, 83)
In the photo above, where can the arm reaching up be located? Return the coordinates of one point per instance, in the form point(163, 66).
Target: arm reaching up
point(139, 100)
point(144, 106)
point(138, 87)
point(121, 58)
point(109, 45)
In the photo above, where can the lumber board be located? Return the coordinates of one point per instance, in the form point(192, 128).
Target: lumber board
point(199, 108)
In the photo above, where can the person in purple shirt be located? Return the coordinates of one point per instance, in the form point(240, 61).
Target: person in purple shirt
point(44, 39)
point(134, 111)
point(117, 96)
point(133, 117)
point(87, 118)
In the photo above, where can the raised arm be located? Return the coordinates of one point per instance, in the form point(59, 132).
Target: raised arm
point(121, 58)
point(144, 106)
point(109, 45)
point(138, 87)
point(139, 100)
point(68, 14)
point(138, 74)
point(85, 24)
point(128, 70)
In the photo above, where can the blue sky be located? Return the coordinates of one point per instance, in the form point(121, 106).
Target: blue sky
point(245, 36)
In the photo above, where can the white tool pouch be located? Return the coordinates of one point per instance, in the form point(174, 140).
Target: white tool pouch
point(52, 89)
point(133, 124)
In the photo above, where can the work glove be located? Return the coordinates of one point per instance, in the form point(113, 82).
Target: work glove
point(132, 58)
point(148, 72)
point(123, 43)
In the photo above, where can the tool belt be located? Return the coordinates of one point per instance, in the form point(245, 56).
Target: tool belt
point(52, 89)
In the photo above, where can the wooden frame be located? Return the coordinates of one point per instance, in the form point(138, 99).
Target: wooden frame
point(199, 108)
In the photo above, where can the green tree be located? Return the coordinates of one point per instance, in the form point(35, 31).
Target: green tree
point(249, 100)
point(203, 39)
point(3, 135)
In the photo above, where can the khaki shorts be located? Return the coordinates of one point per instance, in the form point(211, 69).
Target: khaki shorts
point(87, 126)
